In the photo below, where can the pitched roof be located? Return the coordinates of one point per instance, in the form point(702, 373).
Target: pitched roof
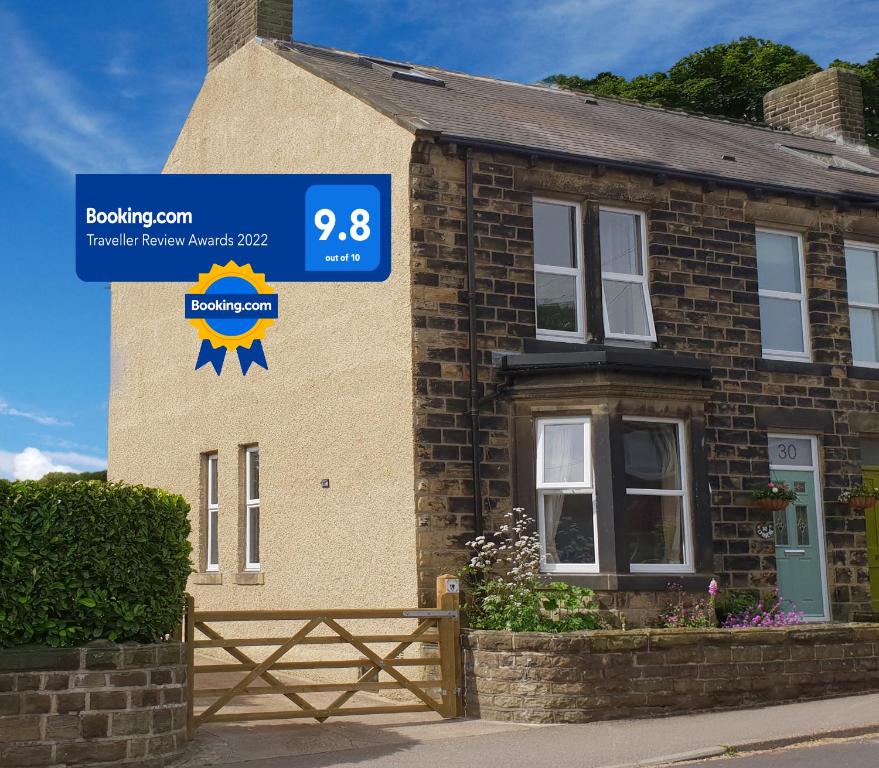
point(563, 124)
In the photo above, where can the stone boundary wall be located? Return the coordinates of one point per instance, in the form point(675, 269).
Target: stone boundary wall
point(102, 704)
point(580, 677)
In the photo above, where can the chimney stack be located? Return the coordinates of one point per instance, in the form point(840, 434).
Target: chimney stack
point(828, 104)
point(233, 23)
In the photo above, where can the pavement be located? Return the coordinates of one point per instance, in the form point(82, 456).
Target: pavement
point(419, 739)
point(856, 753)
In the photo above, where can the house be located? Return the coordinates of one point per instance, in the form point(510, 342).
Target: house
point(616, 316)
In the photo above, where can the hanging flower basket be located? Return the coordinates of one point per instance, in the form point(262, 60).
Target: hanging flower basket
point(773, 505)
point(859, 496)
point(773, 496)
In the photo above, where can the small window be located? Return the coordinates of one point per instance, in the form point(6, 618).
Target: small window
point(558, 269)
point(565, 496)
point(212, 544)
point(790, 451)
point(404, 72)
point(783, 314)
point(862, 272)
point(251, 534)
point(626, 296)
point(657, 496)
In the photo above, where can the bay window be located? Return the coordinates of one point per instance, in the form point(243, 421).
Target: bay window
point(657, 498)
point(862, 273)
point(626, 297)
point(783, 313)
point(565, 495)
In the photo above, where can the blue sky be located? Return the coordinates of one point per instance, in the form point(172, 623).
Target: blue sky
point(104, 87)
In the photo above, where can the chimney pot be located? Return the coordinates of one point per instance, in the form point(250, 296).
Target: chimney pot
point(828, 104)
point(233, 23)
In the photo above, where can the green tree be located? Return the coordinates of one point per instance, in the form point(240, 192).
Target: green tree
point(53, 478)
point(869, 73)
point(728, 80)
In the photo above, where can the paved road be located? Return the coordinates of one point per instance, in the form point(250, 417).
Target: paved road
point(860, 753)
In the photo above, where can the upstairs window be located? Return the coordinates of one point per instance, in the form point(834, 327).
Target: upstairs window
point(783, 314)
point(565, 495)
point(657, 495)
point(626, 305)
point(558, 270)
point(212, 544)
point(862, 273)
point(252, 560)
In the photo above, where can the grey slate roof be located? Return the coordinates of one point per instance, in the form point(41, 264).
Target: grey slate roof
point(553, 122)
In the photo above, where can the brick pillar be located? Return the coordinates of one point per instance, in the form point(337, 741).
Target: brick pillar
point(232, 23)
point(828, 104)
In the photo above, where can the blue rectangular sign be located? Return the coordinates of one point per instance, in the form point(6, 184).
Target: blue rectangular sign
point(292, 227)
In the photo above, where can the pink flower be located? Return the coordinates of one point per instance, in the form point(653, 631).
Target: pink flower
point(712, 587)
point(771, 485)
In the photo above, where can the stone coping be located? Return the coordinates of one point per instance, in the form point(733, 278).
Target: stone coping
point(637, 639)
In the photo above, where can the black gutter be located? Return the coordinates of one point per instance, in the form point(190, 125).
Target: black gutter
point(500, 146)
point(474, 352)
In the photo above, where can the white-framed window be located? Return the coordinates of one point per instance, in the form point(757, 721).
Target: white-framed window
point(566, 513)
point(558, 269)
point(784, 318)
point(628, 315)
point(251, 533)
point(862, 273)
point(212, 542)
point(657, 495)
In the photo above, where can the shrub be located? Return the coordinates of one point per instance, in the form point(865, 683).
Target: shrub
point(769, 613)
point(731, 603)
point(505, 589)
point(90, 560)
point(684, 613)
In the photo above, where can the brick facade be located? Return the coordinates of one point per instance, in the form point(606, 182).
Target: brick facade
point(232, 23)
point(581, 677)
point(828, 104)
point(101, 704)
point(703, 287)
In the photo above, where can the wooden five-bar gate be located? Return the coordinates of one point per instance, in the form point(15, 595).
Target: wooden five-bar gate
point(437, 628)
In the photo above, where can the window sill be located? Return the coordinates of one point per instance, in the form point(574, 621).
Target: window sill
point(862, 372)
point(632, 582)
point(802, 367)
point(250, 578)
point(207, 577)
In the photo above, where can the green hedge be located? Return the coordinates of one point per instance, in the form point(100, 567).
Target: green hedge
point(90, 560)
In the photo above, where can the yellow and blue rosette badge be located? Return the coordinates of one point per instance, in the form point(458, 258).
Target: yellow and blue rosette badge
point(231, 307)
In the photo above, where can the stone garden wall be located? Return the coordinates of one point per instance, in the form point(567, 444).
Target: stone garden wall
point(102, 704)
point(579, 677)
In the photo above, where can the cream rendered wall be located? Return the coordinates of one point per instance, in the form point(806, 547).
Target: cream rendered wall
point(336, 401)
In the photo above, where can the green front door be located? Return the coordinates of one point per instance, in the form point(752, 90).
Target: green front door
point(798, 548)
point(871, 476)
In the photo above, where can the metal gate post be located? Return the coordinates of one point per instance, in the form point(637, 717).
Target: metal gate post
point(189, 640)
point(448, 598)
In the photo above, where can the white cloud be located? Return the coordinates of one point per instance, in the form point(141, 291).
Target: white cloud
point(32, 463)
point(45, 110)
point(38, 418)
